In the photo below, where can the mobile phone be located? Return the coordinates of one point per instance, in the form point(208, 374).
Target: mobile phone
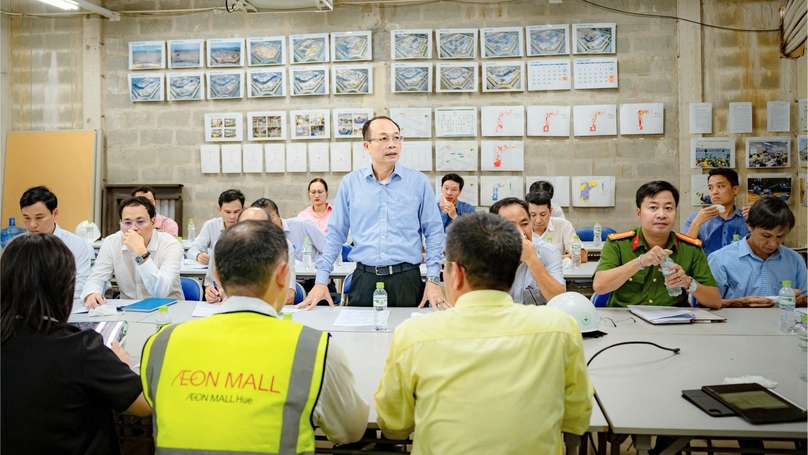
point(756, 403)
point(707, 403)
point(110, 330)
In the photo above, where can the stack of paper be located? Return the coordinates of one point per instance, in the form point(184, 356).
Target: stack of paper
point(673, 315)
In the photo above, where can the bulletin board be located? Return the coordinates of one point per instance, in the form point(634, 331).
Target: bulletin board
point(67, 162)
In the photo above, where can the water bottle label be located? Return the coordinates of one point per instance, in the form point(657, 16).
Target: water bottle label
point(379, 302)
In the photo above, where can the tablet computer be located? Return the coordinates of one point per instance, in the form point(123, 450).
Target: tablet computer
point(707, 403)
point(756, 403)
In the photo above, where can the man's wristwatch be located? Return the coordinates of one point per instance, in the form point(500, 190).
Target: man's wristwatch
point(433, 280)
point(693, 285)
point(140, 259)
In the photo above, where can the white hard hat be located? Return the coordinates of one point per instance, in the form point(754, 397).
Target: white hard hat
point(81, 230)
point(580, 308)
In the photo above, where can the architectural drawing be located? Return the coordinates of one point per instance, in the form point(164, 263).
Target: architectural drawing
point(267, 51)
point(502, 121)
point(411, 78)
point(147, 55)
point(351, 46)
point(225, 52)
point(456, 155)
point(457, 43)
point(502, 155)
point(186, 86)
point(548, 121)
point(266, 82)
point(309, 48)
point(595, 120)
point(502, 42)
point(411, 44)
point(593, 191)
point(495, 188)
point(225, 84)
point(146, 87)
point(309, 80)
point(594, 38)
point(457, 77)
point(548, 40)
point(352, 79)
point(503, 76)
point(186, 53)
point(645, 118)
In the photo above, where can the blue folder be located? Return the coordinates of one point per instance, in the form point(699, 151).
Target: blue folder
point(149, 305)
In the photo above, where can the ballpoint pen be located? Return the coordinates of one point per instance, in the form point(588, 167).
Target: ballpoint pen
point(219, 296)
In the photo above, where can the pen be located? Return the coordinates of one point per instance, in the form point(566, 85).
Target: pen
point(217, 290)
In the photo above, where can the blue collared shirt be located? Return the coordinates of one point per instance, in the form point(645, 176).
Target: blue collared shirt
point(463, 208)
point(387, 221)
point(524, 288)
point(739, 272)
point(297, 229)
point(716, 233)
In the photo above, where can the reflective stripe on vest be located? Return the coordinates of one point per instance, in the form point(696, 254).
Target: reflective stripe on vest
point(195, 387)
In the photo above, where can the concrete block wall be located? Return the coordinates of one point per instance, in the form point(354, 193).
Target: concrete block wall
point(159, 142)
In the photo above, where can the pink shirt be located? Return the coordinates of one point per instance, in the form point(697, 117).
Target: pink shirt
point(167, 225)
point(320, 221)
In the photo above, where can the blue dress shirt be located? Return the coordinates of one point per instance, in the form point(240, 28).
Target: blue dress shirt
point(387, 221)
point(463, 208)
point(717, 232)
point(740, 273)
point(297, 229)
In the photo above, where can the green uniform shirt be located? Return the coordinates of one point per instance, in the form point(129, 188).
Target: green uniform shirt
point(647, 286)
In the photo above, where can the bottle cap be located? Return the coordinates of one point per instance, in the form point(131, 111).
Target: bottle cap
point(190, 220)
point(163, 309)
point(379, 285)
point(597, 221)
point(736, 236)
point(667, 254)
point(179, 238)
point(787, 283)
point(306, 239)
point(287, 316)
point(11, 221)
point(576, 238)
point(549, 239)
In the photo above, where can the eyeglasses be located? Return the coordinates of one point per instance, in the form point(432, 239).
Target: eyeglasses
point(128, 224)
point(317, 192)
point(385, 140)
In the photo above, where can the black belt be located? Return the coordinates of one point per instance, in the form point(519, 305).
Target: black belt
point(384, 270)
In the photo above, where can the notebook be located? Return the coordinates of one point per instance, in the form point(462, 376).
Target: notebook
point(149, 305)
point(672, 315)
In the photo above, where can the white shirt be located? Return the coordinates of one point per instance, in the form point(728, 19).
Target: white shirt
point(212, 265)
point(83, 253)
point(562, 233)
point(557, 211)
point(207, 237)
point(340, 412)
point(159, 276)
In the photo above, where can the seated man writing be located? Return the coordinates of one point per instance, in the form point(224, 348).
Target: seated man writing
point(754, 268)
point(488, 376)
point(629, 262)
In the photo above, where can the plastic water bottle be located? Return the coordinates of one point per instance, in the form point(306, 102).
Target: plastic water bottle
point(802, 333)
point(575, 250)
point(9, 232)
point(667, 262)
point(380, 306)
point(736, 238)
point(191, 230)
point(163, 318)
point(597, 231)
point(787, 301)
point(307, 253)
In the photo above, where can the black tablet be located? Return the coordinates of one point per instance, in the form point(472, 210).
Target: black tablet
point(756, 403)
point(707, 403)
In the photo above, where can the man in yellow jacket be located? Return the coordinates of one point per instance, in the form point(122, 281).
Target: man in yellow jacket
point(243, 380)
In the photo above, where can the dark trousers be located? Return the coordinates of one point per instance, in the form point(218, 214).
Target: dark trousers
point(404, 289)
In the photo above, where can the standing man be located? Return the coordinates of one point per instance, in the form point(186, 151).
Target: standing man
point(712, 225)
point(231, 203)
point(754, 268)
point(539, 277)
point(389, 209)
point(488, 376)
point(144, 262)
point(39, 209)
point(243, 380)
point(161, 223)
point(296, 229)
point(629, 261)
point(451, 186)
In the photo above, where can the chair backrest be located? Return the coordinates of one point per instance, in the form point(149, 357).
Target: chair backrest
point(346, 285)
point(600, 300)
point(346, 249)
point(300, 293)
point(586, 234)
point(191, 288)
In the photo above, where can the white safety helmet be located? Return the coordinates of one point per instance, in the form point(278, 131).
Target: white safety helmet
point(580, 308)
point(82, 230)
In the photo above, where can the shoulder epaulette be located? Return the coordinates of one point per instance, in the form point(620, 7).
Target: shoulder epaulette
point(622, 235)
point(688, 239)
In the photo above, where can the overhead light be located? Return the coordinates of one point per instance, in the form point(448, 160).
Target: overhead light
point(63, 4)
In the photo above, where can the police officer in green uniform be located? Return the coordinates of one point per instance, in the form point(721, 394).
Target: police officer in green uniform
point(629, 260)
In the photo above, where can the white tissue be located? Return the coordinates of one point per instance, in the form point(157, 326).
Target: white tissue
point(566, 263)
point(720, 208)
point(103, 310)
point(768, 383)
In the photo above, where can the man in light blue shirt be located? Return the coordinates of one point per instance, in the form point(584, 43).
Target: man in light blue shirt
point(755, 267)
point(539, 277)
point(392, 214)
point(296, 229)
point(715, 225)
point(451, 186)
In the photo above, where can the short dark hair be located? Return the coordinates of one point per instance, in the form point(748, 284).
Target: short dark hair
point(39, 194)
point(478, 240)
point(729, 174)
point(651, 189)
point(247, 254)
point(502, 203)
point(454, 178)
point(266, 204)
point(138, 200)
point(770, 212)
point(542, 185)
point(366, 126)
point(539, 198)
point(38, 277)
point(318, 180)
point(144, 189)
point(230, 196)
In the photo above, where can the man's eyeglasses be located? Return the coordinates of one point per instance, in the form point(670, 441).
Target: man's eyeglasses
point(385, 140)
point(138, 223)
